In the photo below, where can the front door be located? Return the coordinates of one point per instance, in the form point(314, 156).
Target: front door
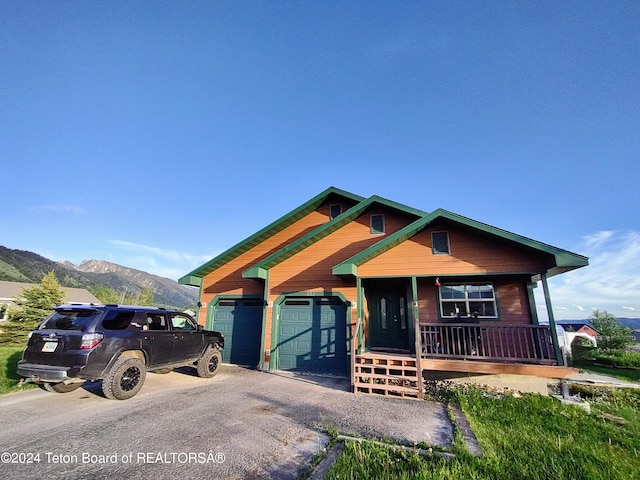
point(388, 318)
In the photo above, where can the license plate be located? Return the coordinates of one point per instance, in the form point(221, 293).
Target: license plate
point(49, 346)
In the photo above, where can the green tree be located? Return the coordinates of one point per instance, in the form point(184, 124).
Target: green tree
point(105, 294)
point(613, 336)
point(145, 297)
point(38, 301)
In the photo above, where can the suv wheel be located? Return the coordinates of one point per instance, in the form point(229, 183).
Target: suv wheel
point(124, 379)
point(209, 363)
point(60, 387)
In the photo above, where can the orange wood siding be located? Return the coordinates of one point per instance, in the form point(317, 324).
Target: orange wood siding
point(469, 255)
point(311, 269)
point(512, 301)
point(228, 278)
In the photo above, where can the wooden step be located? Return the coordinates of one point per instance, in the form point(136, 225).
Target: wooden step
point(388, 375)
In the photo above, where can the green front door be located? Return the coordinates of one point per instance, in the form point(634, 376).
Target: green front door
point(388, 318)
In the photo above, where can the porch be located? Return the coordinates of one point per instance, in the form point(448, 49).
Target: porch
point(458, 347)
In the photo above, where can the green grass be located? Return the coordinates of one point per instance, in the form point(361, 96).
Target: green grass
point(531, 437)
point(9, 379)
point(626, 374)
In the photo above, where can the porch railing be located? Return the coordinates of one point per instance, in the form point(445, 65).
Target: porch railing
point(498, 343)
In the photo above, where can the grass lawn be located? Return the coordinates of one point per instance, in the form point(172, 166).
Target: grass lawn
point(9, 379)
point(530, 437)
point(627, 374)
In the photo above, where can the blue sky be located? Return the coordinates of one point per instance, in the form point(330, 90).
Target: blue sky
point(158, 134)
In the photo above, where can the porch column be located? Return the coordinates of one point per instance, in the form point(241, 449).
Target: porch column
point(552, 320)
point(418, 335)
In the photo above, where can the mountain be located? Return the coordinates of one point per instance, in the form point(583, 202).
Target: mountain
point(25, 266)
point(134, 281)
point(632, 323)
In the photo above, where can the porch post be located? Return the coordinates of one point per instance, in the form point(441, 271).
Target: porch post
point(418, 335)
point(360, 313)
point(552, 320)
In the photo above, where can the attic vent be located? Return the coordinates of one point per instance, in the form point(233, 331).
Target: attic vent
point(440, 243)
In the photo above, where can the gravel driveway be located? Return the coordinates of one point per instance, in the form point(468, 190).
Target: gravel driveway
point(241, 424)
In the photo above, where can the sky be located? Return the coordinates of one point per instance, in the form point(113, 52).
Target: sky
point(157, 134)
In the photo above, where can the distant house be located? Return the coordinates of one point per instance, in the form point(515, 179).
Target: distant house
point(635, 334)
point(10, 292)
point(578, 326)
point(381, 291)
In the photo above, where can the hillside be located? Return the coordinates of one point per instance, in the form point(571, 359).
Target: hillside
point(25, 266)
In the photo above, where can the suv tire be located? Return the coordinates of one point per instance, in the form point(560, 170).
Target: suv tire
point(60, 387)
point(209, 363)
point(124, 379)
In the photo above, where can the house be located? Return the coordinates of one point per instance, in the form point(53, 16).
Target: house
point(635, 335)
point(11, 291)
point(578, 326)
point(379, 291)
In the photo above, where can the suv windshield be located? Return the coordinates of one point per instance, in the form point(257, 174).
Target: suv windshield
point(69, 320)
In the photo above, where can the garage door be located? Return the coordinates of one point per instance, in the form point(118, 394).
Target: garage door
point(312, 335)
point(241, 322)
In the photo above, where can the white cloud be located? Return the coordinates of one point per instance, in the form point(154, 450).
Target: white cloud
point(156, 260)
point(610, 282)
point(60, 209)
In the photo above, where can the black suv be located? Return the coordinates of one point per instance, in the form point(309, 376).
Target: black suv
point(116, 344)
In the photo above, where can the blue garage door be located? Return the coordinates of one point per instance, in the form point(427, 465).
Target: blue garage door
point(312, 335)
point(241, 322)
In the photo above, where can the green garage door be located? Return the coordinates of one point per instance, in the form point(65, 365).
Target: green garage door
point(241, 322)
point(312, 335)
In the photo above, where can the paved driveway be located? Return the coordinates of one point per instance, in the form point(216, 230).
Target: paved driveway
point(241, 424)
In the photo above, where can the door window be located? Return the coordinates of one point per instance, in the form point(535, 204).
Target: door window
point(182, 322)
point(156, 321)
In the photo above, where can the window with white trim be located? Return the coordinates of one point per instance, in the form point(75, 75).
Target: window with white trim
point(468, 300)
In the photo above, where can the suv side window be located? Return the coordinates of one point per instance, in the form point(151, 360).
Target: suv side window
point(156, 321)
point(182, 322)
point(117, 320)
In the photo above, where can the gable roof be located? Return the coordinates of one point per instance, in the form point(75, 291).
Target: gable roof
point(195, 276)
point(259, 270)
point(559, 260)
point(575, 324)
point(10, 291)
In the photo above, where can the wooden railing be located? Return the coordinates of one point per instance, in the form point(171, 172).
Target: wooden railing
point(515, 343)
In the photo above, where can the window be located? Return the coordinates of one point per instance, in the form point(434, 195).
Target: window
point(118, 320)
point(182, 322)
point(156, 321)
point(335, 210)
point(69, 320)
point(377, 223)
point(440, 243)
point(468, 300)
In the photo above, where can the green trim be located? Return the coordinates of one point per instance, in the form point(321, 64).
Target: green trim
point(192, 280)
point(256, 271)
point(260, 236)
point(532, 303)
point(263, 339)
point(360, 313)
point(275, 319)
point(552, 320)
point(560, 260)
